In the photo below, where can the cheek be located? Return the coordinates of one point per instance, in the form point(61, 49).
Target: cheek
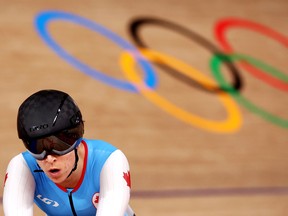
point(68, 160)
point(41, 164)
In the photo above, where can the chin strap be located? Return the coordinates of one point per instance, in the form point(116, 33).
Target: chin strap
point(76, 162)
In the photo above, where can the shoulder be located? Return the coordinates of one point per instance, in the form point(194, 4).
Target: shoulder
point(99, 145)
point(97, 152)
point(18, 170)
point(117, 159)
point(17, 161)
point(118, 155)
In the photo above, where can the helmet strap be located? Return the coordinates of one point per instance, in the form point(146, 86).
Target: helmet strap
point(76, 162)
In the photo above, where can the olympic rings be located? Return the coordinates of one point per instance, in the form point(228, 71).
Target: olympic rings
point(134, 29)
point(215, 65)
point(177, 68)
point(222, 26)
point(231, 124)
point(41, 25)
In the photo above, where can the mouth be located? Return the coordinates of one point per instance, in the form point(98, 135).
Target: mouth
point(54, 171)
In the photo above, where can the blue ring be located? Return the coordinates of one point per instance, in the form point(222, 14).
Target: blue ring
point(43, 18)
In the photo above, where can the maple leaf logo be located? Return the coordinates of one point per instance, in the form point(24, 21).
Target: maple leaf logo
point(126, 176)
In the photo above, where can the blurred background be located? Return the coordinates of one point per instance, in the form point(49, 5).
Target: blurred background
point(208, 138)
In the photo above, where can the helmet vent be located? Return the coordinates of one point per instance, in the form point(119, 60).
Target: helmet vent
point(59, 110)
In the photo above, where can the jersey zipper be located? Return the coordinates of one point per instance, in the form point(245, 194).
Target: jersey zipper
point(71, 202)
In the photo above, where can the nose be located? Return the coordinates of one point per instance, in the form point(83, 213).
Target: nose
point(50, 158)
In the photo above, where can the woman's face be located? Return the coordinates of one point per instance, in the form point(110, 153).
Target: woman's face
point(57, 168)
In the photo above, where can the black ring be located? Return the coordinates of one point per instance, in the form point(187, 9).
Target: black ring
point(134, 27)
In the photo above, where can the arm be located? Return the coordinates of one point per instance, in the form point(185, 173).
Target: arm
point(114, 186)
point(19, 188)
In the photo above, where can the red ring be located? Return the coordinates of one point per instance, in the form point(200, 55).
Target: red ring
point(223, 25)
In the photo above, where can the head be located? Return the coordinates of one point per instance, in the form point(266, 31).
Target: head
point(49, 123)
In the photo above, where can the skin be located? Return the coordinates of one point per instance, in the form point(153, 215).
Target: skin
point(57, 168)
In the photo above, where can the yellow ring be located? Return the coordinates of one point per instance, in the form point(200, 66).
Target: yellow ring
point(231, 124)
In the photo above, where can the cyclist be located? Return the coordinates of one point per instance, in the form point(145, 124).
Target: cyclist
point(62, 172)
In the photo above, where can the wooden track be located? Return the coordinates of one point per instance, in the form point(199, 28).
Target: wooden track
point(177, 168)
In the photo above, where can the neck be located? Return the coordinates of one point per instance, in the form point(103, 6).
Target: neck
point(74, 177)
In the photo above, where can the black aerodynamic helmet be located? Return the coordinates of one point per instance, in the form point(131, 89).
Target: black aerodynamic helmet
point(49, 113)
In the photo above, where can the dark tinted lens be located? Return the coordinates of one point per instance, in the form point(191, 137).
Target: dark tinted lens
point(60, 142)
point(47, 144)
point(32, 146)
point(44, 153)
point(67, 137)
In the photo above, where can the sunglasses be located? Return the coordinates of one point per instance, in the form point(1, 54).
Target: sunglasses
point(59, 144)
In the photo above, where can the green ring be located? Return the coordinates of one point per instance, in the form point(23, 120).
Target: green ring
point(215, 67)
